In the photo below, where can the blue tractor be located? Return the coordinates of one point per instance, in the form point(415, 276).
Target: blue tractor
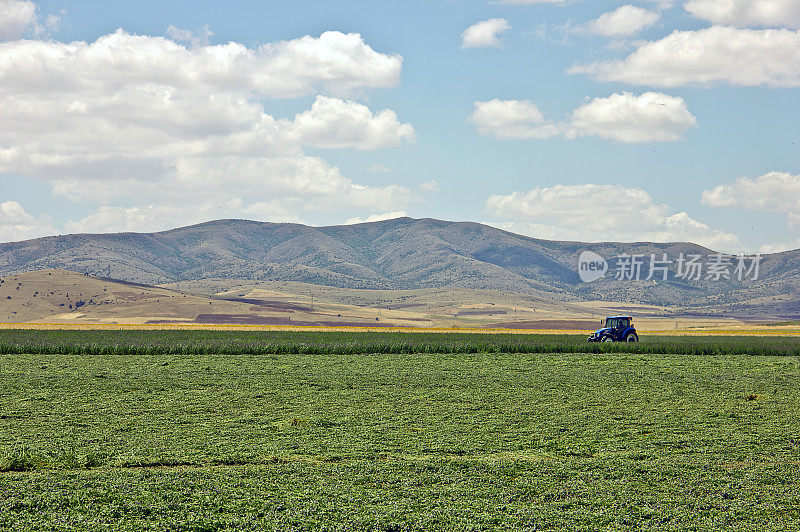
point(615, 329)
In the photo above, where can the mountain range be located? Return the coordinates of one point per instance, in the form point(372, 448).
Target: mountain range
point(402, 253)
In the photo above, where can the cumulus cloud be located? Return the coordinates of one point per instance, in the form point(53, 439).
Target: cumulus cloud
point(485, 34)
point(624, 117)
point(195, 38)
point(303, 182)
point(334, 62)
point(146, 118)
point(429, 187)
point(160, 217)
point(115, 219)
point(21, 17)
point(662, 5)
point(624, 21)
point(774, 191)
point(743, 13)
point(651, 117)
point(779, 247)
point(604, 213)
point(334, 123)
point(511, 119)
point(17, 224)
point(16, 18)
point(376, 217)
point(740, 57)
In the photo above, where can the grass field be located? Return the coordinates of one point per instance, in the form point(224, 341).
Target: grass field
point(175, 437)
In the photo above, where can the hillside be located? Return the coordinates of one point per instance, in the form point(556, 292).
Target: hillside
point(394, 254)
point(62, 296)
point(397, 254)
point(58, 296)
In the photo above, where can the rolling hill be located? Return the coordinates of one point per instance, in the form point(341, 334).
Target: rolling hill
point(399, 254)
point(59, 296)
point(396, 254)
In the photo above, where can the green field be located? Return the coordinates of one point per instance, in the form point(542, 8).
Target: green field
point(206, 342)
point(193, 440)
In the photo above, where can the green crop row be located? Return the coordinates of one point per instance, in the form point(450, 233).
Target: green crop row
point(205, 342)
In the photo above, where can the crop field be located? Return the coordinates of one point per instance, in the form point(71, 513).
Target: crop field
point(201, 342)
point(224, 430)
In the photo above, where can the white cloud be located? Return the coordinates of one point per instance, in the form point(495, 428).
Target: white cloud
point(651, 117)
point(334, 62)
point(774, 191)
point(307, 183)
point(601, 213)
point(740, 57)
point(793, 221)
point(429, 187)
point(624, 117)
point(511, 119)
point(485, 34)
point(272, 211)
point(743, 13)
point(18, 224)
point(376, 217)
point(21, 17)
point(16, 18)
point(624, 21)
point(136, 117)
point(334, 123)
point(108, 219)
point(160, 217)
point(662, 5)
point(779, 247)
point(194, 38)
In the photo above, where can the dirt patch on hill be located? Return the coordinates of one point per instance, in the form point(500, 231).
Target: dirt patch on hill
point(270, 304)
point(134, 296)
point(242, 319)
point(561, 325)
point(397, 306)
point(480, 312)
point(251, 319)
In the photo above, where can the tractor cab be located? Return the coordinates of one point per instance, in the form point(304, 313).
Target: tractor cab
point(615, 329)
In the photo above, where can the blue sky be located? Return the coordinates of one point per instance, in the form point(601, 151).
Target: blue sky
point(563, 120)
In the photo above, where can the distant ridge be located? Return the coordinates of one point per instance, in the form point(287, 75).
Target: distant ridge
point(402, 253)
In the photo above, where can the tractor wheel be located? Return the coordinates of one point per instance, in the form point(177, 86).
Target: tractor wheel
point(632, 338)
point(608, 339)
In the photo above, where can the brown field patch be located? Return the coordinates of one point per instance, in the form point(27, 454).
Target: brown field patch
point(480, 312)
point(251, 319)
point(270, 303)
point(242, 319)
point(396, 306)
point(134, 296)
point(558, 325)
